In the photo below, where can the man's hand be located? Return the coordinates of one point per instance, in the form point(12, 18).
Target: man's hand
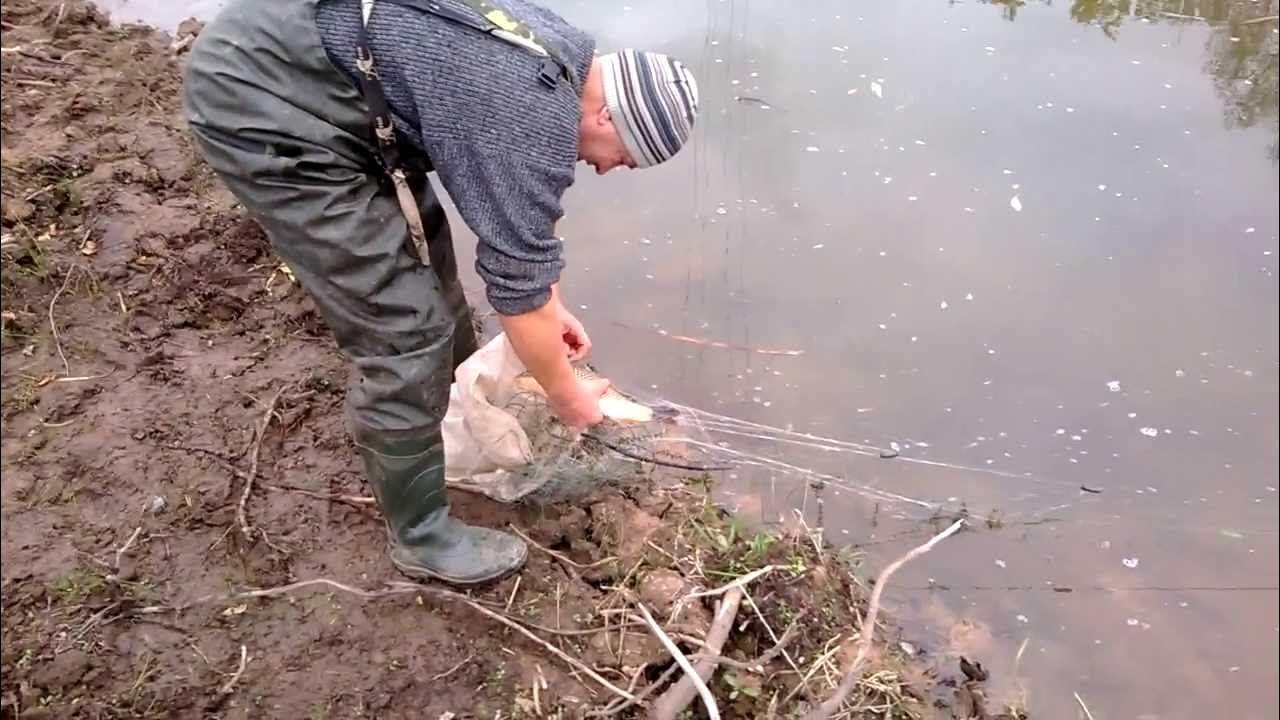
point(574, 335)
point(547, 340)
point(579, 404)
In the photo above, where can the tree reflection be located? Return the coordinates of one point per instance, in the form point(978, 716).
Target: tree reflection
point(1241, 50)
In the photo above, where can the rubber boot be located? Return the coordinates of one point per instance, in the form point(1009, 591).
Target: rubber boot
point(406, 471)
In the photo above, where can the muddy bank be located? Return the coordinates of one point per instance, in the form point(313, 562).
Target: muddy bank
point(147, 331)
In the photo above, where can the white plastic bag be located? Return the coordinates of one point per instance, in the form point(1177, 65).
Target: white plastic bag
point(484, 445)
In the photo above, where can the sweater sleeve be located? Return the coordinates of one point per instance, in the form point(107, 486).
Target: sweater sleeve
point(512, 203)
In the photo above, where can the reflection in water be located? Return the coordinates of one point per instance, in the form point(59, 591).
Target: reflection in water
point(1241, 49)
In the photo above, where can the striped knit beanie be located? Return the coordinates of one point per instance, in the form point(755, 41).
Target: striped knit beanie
point(653, 100)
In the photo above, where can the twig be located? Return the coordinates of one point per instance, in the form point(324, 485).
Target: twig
point(867, 631)
point(452, 670)
point(614, 709)
point(88, 625)
point(1181, 16)
point(512, 597)
point(241, 515)
point(787, 636)
point(554, 650)
point(83, 378)
point(737, 583)
point(674, 700)
point(231, 684)
point(1255, 21)
point(52, 61)
point(1083, 707)
point(778, 645)
point(53, 325)
point(817, 665)
point(394, 588)
point(128, 544)
point(356, 500)
point(560, 556)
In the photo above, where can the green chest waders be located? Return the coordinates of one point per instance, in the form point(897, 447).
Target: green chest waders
point(314, 160)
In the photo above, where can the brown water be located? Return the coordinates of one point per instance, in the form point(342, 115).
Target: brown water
point(850, 194)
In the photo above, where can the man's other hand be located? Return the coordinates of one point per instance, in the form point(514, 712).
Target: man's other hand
point(575, 336)
point(578, 405)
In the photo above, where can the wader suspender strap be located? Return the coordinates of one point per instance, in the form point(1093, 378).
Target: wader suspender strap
point(497, 23)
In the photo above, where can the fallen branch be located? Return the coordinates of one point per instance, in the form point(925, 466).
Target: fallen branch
point(241, 514)
point(619, 705)
point(778, 645)
point(673, 702)
point(758, 664)
point(452, 670)
point(737, 583)
point(830, 648)
point(560, 556)
point(359, 501)
point(867, 631)
point(554, 650)
point(125, 548)
point(244, 662)
point(53, 325)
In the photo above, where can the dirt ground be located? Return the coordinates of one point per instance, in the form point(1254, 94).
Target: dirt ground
point(147, 328)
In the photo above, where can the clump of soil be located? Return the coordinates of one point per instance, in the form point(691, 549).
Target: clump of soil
point(157, 356)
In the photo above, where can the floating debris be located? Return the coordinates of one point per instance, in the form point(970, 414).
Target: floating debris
point(1149, 431)
point(1015, 203)
point(1113, 385)
point(877, 89)
point(1130, 563)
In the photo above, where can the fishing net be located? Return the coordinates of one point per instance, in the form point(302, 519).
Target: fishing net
point(503, 440)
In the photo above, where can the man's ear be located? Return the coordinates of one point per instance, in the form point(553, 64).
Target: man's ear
point(603, 117)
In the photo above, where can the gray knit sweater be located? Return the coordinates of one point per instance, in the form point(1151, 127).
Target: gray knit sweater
point(503, 144)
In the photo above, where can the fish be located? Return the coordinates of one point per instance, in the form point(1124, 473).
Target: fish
point(614, 404)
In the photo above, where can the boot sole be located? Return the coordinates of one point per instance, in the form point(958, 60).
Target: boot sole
point(420, 573)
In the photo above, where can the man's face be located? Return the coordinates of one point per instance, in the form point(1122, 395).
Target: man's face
point(599, 145)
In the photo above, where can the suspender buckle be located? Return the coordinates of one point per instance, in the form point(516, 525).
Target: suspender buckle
point(550, 73)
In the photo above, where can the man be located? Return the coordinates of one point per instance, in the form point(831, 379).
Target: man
point(323, 118)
